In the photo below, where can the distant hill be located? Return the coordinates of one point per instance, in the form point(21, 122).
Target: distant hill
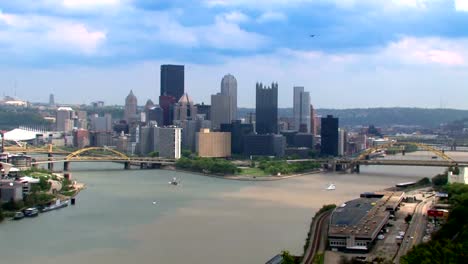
point(429, 118)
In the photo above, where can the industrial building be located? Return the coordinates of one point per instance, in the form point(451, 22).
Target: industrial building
point(355, 225)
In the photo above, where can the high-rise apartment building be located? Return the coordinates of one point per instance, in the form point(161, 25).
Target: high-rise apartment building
point(172, 81)
point(229, 88)
point(168, 142)
point(329, 135)
point(130, 112)
point(266, 109)
point(301, 110)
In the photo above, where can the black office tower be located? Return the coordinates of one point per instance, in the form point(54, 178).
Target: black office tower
point(266, 109)
point(172, 81)
point(329, 134)
point(238, 133)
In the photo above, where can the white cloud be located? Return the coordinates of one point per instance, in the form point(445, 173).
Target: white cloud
point(461, 5)
point(85, 4)
point(270, 16)
point(224, 33)
point(25, 33)
point(428, 51)
point(76, 36)
point(234, 17)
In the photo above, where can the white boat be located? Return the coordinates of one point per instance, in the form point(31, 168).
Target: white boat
point(331, 187)
point(174, 181)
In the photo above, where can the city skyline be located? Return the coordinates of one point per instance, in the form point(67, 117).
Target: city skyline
point(364, 49)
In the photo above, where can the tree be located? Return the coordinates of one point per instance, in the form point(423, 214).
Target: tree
point(408, 218)
point(287, 257)
point(1, 214)
point(154, 154)
point(440, 179)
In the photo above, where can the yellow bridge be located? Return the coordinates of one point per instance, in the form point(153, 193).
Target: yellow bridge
point(91, 154)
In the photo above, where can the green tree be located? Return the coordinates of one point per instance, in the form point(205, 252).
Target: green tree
point(153, 154)
point(408, 218)
point(287, 257)
point(1, 214)
point(440, 179)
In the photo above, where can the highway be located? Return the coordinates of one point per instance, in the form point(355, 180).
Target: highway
point(416, 229)
point(317, 232)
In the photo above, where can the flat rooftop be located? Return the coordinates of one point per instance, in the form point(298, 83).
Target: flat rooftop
point(363, 217)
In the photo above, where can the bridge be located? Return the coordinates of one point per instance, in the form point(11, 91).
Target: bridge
point(98, 154)
point(364, 158)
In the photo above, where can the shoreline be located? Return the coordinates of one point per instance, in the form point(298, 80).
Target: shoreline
point(245, 177)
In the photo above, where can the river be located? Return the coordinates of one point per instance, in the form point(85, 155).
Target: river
point(204, 220)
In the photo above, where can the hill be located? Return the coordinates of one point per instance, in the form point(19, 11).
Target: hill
point(429, 118)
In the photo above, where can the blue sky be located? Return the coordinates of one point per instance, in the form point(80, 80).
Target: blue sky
point(366, 53)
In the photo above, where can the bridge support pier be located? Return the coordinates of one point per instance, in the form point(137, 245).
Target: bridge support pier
point(50, 165)
point(357, 169)
point(127, 165)
point(66, 166)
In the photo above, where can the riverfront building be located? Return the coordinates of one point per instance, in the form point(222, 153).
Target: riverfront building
point(168, 142)
point(356, 224)
point(238, 132)
point(264, 145)
point(213, 144)
point(266, 109)
point(329, 135)
point(172, 80)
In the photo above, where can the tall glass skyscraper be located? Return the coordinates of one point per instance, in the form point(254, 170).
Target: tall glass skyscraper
point(172, 81)
point(229, 88)
point(266, 109)
point(301, 109)
point(329, 135)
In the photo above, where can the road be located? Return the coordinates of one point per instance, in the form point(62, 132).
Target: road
point(317, 231)
point(416, 229)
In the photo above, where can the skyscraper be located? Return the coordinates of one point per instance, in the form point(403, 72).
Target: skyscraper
point(313, 121)
point(51, 100)
point(229, 88)
point(130, 112)
point(64, 120)
point(172, 81)
point(301, 109)
point(266, 109)
point(220, 110)
point(185, 109)
point(329, 134)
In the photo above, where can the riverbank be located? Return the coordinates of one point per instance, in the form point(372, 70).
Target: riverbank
point(245, 177)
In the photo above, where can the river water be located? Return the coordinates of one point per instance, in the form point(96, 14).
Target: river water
point(204, 220)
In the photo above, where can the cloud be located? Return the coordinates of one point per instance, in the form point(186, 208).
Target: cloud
point(76, 36)
point(26, 34)
point(270, 16)
point(234, 17)
point(428, 51)
point(461, 5)
point(86, 4)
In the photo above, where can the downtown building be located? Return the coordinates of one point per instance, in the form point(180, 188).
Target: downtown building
point(130, 111)
point(172, 88)
point(224, 104)
point(213, 144)
point(64, 119)
point(301, 110)
point(238, 132)
point(266, 109)
point(329, 136)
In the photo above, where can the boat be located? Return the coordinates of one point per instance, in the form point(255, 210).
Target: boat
point(58, 204)
point(31, 212)
point(174, 181)
point(331, 187)
point(18, 216)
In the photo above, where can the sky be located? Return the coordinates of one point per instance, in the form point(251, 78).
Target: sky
point(365, 53)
